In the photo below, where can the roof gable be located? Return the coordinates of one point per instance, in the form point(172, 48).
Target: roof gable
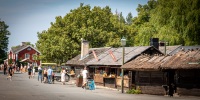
point(20, 48)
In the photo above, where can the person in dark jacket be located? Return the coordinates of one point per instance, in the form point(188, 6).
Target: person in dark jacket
point(10, 71)
point(29, 71)
point(5, 68)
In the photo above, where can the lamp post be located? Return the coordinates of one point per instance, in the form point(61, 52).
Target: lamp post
point(123, 43)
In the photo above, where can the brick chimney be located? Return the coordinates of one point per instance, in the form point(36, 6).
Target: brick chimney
point(84, 48)
point(154, 42)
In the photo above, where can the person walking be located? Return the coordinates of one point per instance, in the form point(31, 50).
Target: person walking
point(63, 72)
point(10, 71)
point(45, 75)
point(21, 67)
point(49, 74)
point(84, 74)
point(29, 71)
point(33, 72)
point(5, 68)
point(40, 74)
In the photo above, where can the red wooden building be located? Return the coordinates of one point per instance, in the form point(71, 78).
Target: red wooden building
point(24, 53)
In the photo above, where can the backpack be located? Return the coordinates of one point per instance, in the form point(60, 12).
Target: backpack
point(40, 71)
point(29, 69)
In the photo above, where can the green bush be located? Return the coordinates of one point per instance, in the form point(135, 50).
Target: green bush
point(134, 91)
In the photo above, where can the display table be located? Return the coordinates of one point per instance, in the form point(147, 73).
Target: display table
point(98, 78)
point(119, 81)
point(109, 80)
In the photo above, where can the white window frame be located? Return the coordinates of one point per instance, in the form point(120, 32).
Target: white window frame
point(27, 56)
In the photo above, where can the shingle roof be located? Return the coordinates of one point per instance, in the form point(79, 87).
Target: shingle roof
point(130, 52)
point(19, 48)
point(185, 57)
point(183, 60)
point(76, 61)
point(169, 49)
point(145, 62)
point(185, 48)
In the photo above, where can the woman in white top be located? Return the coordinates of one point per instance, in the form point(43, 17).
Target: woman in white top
point(33, 72)
point(84, 74)
point(63, 72)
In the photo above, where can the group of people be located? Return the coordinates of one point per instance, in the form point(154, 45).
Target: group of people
point(8, 70)
point(44, 75)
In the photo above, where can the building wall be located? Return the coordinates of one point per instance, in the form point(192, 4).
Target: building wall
point(155, 90)
point(188, 82)
point(186, 91)
point(151, 82)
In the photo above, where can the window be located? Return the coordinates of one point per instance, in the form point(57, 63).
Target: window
point(27, 56)
point(29, 49)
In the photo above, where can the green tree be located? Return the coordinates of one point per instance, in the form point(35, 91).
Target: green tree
point(174, 21)
point(97, 25)
point(4, 33)
point(141, 30)
point(178, 21)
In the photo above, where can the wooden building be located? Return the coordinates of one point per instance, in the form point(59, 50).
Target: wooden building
point(79, 62)
point(173, 74)
point(148, 76)
point(107, 68)
point(184, 69)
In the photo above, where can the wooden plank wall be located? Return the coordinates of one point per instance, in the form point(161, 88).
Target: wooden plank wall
point(150, 82)
point(188, 82)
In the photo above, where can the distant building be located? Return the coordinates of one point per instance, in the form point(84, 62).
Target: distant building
point(24, 53)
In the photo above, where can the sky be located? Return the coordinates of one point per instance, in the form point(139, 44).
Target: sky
point(27, 17)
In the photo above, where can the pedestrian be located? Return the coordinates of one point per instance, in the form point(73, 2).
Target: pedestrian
point(10, 72)
point(13, 69)
point(63, 72)
point(29, 71)
point(5, 68)
point(40, 73)
point(33, 72)
point(49, 74)
point(84, 74)
point(45, 75)
point(21, 68)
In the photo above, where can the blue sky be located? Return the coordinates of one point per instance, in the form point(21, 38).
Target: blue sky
point(27, 17)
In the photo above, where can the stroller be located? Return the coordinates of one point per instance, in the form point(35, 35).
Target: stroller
point(90, 85)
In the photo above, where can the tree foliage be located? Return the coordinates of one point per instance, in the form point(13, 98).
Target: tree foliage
point(3, 40)
point(174, 21)
point(97, 25)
